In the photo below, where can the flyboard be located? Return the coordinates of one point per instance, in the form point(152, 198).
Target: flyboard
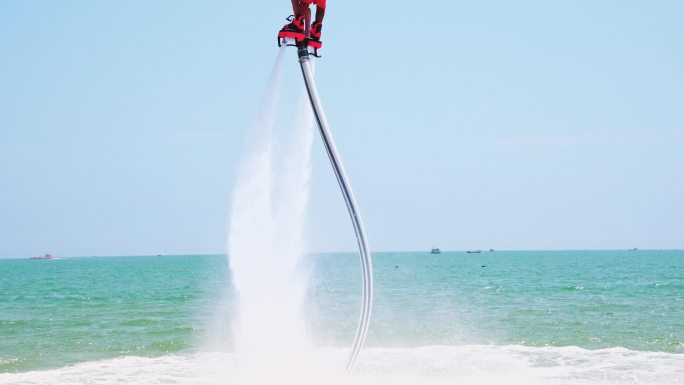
point(304, 54)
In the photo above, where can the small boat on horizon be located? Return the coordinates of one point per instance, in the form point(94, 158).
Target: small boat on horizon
point(44, 256)
point(474, 251)
point(435, 251)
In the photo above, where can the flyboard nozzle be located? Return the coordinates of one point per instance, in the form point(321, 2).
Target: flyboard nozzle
point(303, 53)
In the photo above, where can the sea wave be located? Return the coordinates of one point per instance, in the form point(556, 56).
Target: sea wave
point(472, 364)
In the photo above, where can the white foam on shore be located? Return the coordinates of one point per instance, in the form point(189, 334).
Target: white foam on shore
point(434, 365)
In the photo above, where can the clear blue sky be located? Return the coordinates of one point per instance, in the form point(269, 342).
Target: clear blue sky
point(511, 125)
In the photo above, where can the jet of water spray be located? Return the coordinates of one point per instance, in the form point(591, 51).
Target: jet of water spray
point(266, 241)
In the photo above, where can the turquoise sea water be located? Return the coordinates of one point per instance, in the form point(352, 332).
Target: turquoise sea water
point(68, 311)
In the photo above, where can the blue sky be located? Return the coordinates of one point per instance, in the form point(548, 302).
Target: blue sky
point(463, 125)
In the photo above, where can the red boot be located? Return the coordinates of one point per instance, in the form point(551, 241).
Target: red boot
point(315, 35)
point(294, 30)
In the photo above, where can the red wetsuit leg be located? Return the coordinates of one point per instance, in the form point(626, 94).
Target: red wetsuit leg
point(317, 3)
point(320, 10)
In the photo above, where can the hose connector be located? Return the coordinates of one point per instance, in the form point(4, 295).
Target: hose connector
point(303, 53)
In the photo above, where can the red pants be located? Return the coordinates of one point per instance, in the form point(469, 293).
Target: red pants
point(318, 3)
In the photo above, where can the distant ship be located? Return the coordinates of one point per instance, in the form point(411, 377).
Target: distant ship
point(435, 251)
point(45, 256)
point(473, 251)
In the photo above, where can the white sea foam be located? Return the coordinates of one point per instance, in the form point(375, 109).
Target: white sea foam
point(435, 365)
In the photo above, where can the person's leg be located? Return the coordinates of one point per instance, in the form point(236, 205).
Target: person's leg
point(320, 11)
point(317, 25)
point(301, 8)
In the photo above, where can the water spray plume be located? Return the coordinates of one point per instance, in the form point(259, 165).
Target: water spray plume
point(265, 244)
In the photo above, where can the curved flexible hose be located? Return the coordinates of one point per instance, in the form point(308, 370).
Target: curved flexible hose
point(338, 168)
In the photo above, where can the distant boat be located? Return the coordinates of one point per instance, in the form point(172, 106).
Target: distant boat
point(435, 251)
point(44, 256)
point(491, 250)
point(473, 251)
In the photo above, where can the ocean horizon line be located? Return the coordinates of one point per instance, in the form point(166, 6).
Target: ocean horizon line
point(426, 251)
